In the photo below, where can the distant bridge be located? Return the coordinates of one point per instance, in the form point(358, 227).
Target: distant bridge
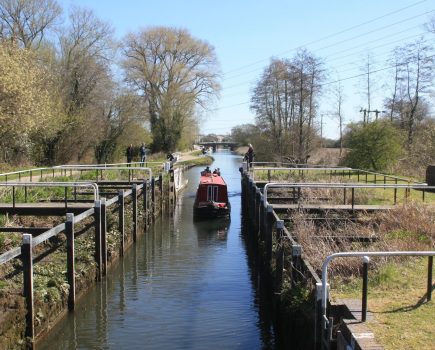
point(222, 144)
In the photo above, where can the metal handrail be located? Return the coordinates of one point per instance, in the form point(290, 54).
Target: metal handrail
point(98, 167)
point(311, 168)
point(54, 184)
point(357, 254)
point(339, 185)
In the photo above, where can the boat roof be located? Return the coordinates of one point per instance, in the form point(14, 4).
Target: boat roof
point(210, 178)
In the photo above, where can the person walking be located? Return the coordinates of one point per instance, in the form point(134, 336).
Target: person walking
point(129, 154)
point(143, 154)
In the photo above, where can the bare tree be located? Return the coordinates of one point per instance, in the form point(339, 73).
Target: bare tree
point(26, 21)
point(85, 83)
point(413, 80)
point(285, 103)
point(175, 73)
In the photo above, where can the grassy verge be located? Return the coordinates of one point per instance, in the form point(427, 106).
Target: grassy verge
point(402, 319)
point(200, 161)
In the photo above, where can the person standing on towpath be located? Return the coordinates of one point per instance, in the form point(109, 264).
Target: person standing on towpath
point(129, 154)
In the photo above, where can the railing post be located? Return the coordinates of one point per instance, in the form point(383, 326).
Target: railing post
point(66, 196)
point(344, 195)
point(134, 203)
point(161, 192)
point(27, 259)
point(366, 261)
point(153, 198)
point(121, 226)
point(69, 231)
point(261, 218)
point(429, 278)
point(171, 189)
point(353, 198)
point(296, 262)
point(279, 256)
point(97, 216)
point(104, 235)
point(145, 202)
point(268, 233)
point(395, 192)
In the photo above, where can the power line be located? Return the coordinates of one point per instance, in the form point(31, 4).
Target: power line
point(331, 35)
point(342, 41)
point(342, 57)
point(339, 80)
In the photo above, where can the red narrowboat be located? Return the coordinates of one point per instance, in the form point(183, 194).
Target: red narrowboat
point(211, 196)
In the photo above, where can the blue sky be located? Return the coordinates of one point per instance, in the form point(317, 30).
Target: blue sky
point(246, 34)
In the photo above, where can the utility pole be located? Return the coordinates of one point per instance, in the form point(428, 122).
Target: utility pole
point(365, 118)
point(376, 113)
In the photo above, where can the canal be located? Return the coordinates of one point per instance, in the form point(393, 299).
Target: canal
point(184, 285)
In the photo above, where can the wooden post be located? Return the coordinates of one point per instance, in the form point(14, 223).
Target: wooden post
point(171, 189)
point(27, 259)
point(104, 235)
point(134, 203)
point(268, 233)
point(261, 218)
point(153, 198)
point(145, 202)
point(429, 278)
point(97, 216)
point(253, 204)
point(162, 202)
point(257, 211)
point(353, 198)
point(69, 231)
point(279, 256)
point(121, 226)
point(296, 262)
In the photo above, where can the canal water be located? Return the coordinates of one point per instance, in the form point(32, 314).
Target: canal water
point(184, 285)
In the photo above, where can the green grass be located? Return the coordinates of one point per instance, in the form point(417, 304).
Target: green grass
point(200, 161)
point(396, 298)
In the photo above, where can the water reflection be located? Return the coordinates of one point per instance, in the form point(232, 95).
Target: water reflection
point(212, 230)
point(184, 285)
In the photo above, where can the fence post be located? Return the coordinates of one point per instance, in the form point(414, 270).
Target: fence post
point(161, 192)
point(69, 230)
point(353, 198)
point(97, 216)
point(429, 278)
point(145, 202)
point(27, 259)
point(296, 262)
point(364, 288)
point(104, 235)
point(344, 195)
point(121, 227)
point(279, 256)
point(268, 233)
point(153, 198)
point(134, 203)
point(261, 218)
point(257, 211)
point(171, 188)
